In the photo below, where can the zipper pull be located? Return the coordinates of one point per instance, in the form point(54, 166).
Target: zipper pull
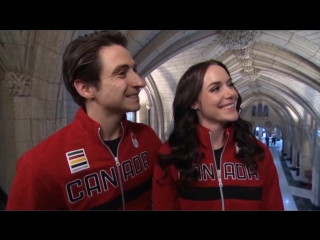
point(219, 179)
point(220, 182)
point(117, 161)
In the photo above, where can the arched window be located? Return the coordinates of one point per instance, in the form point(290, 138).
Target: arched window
point(254, 111)
point(259, 109)
point(265, 110)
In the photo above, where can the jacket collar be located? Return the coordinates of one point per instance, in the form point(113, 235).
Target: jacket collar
point(90, 128)
point(204, 135)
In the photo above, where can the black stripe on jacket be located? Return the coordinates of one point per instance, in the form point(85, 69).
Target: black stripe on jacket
point(213, 193)
point(129, 195)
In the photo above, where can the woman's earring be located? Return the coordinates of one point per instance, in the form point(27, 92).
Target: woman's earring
point(194, 107)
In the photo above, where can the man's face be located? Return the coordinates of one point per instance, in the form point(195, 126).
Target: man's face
point(119, 82)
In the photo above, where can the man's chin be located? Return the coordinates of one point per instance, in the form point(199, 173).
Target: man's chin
point(134, 109)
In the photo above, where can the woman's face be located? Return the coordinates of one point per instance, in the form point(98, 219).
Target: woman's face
point(216, 104)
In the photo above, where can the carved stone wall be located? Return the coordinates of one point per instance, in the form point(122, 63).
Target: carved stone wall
point(18, 84)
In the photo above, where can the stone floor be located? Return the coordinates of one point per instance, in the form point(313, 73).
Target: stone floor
point(296, 195)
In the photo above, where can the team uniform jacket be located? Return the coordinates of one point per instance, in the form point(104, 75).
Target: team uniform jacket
point(74, 170)
point(234, 187)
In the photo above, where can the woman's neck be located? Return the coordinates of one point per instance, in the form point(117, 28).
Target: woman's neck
point(218, 136)
point(218, 139)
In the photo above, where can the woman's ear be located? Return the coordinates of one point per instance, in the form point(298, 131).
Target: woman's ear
point(194, 106)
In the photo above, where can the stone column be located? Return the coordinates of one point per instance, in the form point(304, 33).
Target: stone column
point(149, 106)
point(315, 199)
point(288, 141)
point(278, 133)
point(18, 85)
point(141, 115)
point(260, 133)
point(293, 156)
point(7, 134)
point(305, 152)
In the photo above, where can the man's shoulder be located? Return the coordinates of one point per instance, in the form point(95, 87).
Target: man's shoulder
point(48, 146)
point(140, 127)
point(146, 133)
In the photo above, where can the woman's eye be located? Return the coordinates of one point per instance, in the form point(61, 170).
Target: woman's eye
point(214, 89)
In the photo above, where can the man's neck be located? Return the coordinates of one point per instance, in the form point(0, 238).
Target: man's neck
point(110, 122)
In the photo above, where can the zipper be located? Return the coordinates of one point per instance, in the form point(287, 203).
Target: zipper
point(117, 164)
point(219, 171)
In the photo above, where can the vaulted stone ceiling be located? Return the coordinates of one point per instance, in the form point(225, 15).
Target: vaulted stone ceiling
point(281, 68)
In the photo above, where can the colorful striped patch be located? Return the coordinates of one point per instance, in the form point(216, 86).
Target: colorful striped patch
point(77, 160)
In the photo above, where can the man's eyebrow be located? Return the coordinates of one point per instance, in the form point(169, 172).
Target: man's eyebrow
point(123, 67)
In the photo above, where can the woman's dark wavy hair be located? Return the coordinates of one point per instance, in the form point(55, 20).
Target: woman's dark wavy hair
point(184, 141)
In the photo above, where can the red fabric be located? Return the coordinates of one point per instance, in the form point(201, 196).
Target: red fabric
point(165, 194)
point(43, 174)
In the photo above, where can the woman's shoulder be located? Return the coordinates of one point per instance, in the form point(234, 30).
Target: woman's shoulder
point(165, 148)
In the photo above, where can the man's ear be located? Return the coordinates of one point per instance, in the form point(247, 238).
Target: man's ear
point(83, 89)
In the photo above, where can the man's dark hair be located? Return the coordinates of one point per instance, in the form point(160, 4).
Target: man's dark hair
point(81, 59)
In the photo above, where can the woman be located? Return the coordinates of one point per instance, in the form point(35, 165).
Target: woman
point(211, 160)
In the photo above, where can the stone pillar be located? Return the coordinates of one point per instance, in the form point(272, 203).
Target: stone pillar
point(34, 107)
point(149, 106)
point(296, 144)
point(278, 132)
point(7, 134)
point(134, 116)
point(315, 199)
point(142, 114)
point(293, 156)
point(260, 133)
point(288, 141)
point(298, 164)
point(18, 85)
point(307, 140)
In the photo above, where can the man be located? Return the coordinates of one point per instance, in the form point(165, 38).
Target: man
point(267, 139)
point(100, 160)
point(274, 139)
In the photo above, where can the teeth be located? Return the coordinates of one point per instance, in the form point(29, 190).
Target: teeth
point(227, 107)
